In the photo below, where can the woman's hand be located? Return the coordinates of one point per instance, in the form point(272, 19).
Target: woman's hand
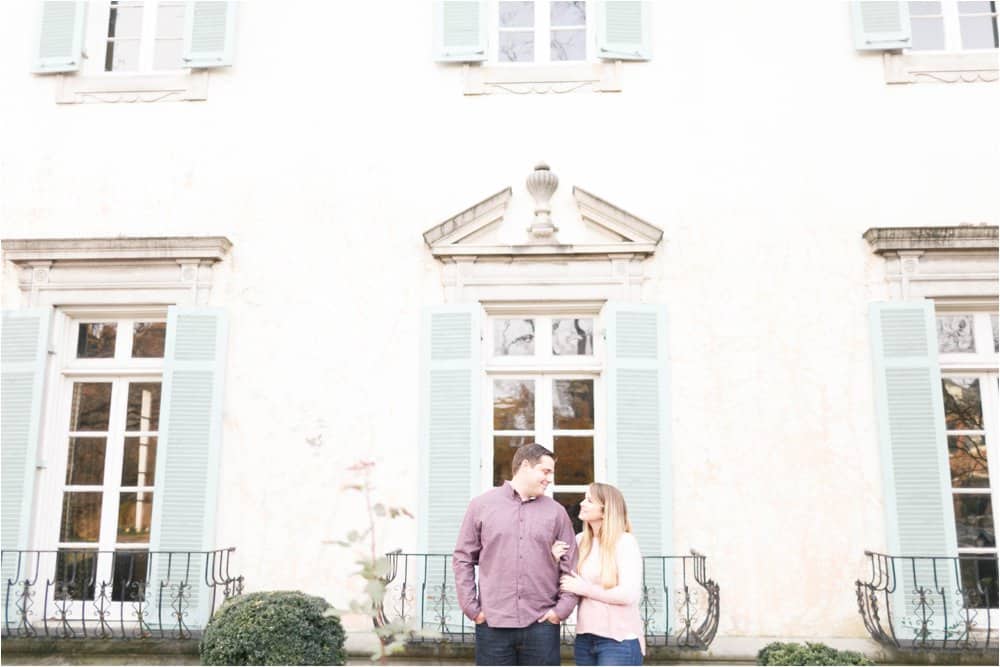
point(559, 549)
point(573, 583)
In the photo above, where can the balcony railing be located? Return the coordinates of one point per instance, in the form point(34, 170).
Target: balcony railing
point(931, 603)
point(86, 593)
point(679, 604)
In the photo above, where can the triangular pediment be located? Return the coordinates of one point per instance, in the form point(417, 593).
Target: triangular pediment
point(500, 226)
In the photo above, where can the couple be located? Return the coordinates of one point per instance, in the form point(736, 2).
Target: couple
point(530, 579)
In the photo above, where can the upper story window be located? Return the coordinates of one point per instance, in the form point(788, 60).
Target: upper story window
point(953, 25)
point(141, 36)
point(541, 31)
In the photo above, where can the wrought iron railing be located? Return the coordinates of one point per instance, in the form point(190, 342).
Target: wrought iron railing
point(87, 593)
point(931, 603)
point(679, 604)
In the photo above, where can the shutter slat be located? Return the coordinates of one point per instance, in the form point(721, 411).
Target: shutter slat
point(209, 33)
point(460, 31)
point(880, 25)
point(60, 36)
point(623, 30)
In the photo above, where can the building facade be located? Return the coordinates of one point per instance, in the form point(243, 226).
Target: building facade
point(738, 259)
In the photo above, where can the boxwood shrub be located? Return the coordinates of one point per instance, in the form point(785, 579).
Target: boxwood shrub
point(780, 653)
point(273, 628)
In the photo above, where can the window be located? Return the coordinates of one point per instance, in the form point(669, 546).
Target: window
point(143, 36)
point(952, 25)
point(967, 348)
point(107, 454)
point(541, 31)
point(543, 376)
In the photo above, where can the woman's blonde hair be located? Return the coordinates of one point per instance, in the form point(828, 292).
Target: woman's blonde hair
point(615, 523)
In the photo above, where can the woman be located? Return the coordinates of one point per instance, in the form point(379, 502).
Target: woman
point(608, 580)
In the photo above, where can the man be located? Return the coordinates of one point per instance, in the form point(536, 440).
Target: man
point(508, 532)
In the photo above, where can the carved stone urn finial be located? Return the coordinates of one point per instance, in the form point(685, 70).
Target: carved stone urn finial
point(541, 184)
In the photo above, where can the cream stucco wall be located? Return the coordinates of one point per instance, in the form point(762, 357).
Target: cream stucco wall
point(757, 138)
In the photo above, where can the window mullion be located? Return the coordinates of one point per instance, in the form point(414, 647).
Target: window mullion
point(542, 16)
point(147, 40)
point(952, 33)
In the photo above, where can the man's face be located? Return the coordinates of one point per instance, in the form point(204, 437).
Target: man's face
point(538, 477)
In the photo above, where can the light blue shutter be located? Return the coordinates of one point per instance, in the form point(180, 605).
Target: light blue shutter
point(209, 33)
point(449, 444)
point(60, 36)
point(187, 466)
point(23, 350)
point(917, 483)
point(623, 30)
point(460, 31)
point(639, 436)
point(880, 25)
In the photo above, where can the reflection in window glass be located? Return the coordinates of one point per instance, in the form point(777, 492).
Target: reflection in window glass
point(139, 461)
point(979, 579)
point(573, 404)
point(575, 456)
point(568, 39)
point(124, 33)
point(143, 406)
point(148, 339)
point(135, 513)
point(129, 576)
point(81, 516)
point(513, 405)
point(571, 501)
point(513, 337)
point(955, 333)
point(96, 340)
point(517, 38)
point(963, 407)
point(75, 575)
point(85, 464)
point(974, 521)
point(91, 408)
point(504, 447)
point(573, 336)
point(967, 457)
point(995, 323)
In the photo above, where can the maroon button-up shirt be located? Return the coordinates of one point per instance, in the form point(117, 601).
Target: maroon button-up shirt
point(511, 541)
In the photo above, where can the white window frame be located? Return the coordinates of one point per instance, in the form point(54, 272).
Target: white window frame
point(542, 28)
point(96, 39)
point(952, 31)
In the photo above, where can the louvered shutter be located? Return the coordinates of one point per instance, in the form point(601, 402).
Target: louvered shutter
point(60, 36)
point(623, 30)
point(917, 486)
point(187, 466)
point(449, 447)
point(460, 31)
point(881, 25)
point(639, 437)
point(23, 350)
point(209, 33)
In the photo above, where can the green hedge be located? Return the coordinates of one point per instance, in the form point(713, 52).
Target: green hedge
point(778, 653)
point(273, 628)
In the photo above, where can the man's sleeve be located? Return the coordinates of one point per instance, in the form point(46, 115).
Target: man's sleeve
point(567, 565)
point(464, 561)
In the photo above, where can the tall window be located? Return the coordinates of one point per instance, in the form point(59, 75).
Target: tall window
point(144, 36)
point(952, 25)
point(112, 422)
point(968, 347)
point(541, 31)
point(543, 377)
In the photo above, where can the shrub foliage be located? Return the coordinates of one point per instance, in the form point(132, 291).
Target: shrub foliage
point(273, 628)
point(779, 653)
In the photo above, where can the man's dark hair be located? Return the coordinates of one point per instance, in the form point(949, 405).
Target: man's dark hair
point(532, 453)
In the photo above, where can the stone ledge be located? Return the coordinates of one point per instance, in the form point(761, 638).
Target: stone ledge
point(116, 248)
point(962, 237)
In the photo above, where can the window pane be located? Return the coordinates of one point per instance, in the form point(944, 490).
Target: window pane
point(568, 45)
point(148, 339)
point(517, 47)
point(573, 404)
point(170, 19)
point(125, 19)
point(955, 333)
point(568, 13)
point(85, 462)
point(96, 340)
point(978, 32)
point(75, 575)
point(81, 516)
point(963, 408)
point(979, 579)
point(122, 56)
point(129, 576)
point(967, 455)
point(139, 462)
point(513, 337)
point(135, 511)
point(927, 34)
point(571, 501)
point(168, 54)
point(513, 405)
point(974, 7)
point(995, 321)
point(575, 460)
point(143, 406)
point(974, 520)
point(573, 336)
point(91, 409)
point(517, 14)
point(503, 455)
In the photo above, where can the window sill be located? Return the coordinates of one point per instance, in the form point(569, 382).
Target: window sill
point(178, 87)
point(940, 67)
point(604, 76)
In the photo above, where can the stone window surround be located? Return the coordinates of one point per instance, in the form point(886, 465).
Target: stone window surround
point(918, 67)
point(116, 271)
point(110, 88)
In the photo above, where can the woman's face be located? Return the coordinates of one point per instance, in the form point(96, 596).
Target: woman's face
point(590, 510)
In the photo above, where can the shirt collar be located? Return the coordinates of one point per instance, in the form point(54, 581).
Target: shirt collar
point(513, 492)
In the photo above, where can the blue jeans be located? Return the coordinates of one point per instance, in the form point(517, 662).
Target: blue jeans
point(537, 644)
point(594, 650)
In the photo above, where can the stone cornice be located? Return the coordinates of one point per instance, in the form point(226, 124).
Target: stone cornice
point(962, 237)
point(205, 248)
